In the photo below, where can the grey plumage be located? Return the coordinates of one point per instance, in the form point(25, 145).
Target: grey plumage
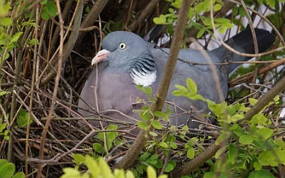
point(130, 60)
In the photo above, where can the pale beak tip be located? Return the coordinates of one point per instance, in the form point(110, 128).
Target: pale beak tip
point(100, 56)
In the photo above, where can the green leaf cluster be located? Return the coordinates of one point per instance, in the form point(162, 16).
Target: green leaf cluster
point(7, 170)
point(253, 146)
point(109, 137)
point(99, 168)
point(49, 9)
point(196, 20)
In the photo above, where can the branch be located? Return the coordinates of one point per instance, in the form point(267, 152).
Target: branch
point(91, 18)
point(71, 41)
point(265, 99)
point(146, 11)
point(249, 76)
point(57, 78)
point(192, 165)
point(135, 149)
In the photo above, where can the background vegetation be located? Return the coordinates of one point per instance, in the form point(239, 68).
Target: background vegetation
point(45, 51)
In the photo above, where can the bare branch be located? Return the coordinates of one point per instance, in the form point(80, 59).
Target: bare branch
point(146, 11)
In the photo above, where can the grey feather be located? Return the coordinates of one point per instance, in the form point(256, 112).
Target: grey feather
point(116, 90)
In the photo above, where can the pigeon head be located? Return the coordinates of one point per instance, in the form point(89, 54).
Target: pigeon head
point(127, 52)
point(120, 48)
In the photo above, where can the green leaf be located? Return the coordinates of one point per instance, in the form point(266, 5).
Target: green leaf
point(97, 147)
point(268, 158)
point(105, 169)
point(151, 172)
point(252, 101)
point(4, 8)
point(49, 9)
point(190, 153)
point(6, 21)
point(109, 137)
point(163, 115)
point(156, 124)
point(265, 132)
point(170, 166)
point(119, 173)
point(129, 174)
point(7, 170)
point(217, 7)
point(191, 85)
point(23, 119)
point(163, 145)
point(201, 32)
point(71, 173)
point(261, 174)
point(16, 37)
point(146, 90)
point(78, 158)
point(3, 127)
point(259, 119)
point(160, 20)
point(2, 93)
point(153, 134)
point(143, 125)
point(271, 3)
point(209, 175)
point(19, 175)
point(246, 139)
point(92, 166)
point(232, 154)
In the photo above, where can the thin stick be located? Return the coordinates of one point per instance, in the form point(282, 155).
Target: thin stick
point(141, 138)
point(59, 69)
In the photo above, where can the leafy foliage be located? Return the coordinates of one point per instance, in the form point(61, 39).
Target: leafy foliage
point(201, 23)
point(7, 41)
point(7, 170)
point(109, 139)
point(253, 146)
point(99, 168)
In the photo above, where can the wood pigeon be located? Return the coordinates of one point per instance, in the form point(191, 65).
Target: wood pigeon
point(127, 60)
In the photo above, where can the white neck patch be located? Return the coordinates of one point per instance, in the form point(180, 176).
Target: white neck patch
point(144, 79)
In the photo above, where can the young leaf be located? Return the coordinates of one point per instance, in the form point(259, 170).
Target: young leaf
point(97, 147)
point(7, 170)
point(170, 166)
point(156, 124)
point(191, 86)
point(190, 153)
point(261, 174)
point(245, 139)
point(78, 158)
point(151, 172)
point(23, 119)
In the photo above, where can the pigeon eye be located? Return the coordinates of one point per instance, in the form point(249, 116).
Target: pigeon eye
point(122, 45)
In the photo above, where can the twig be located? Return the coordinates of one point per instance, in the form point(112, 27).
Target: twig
point(72, 39)
point(250, 75)
point(141, 139)
point(59, 69)
point(91, 18)
point(266, 20)
point(18, 59)
point(269, 96)
point(32, 92)
point(146, 11)
point(192, 165)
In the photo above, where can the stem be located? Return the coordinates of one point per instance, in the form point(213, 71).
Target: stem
point(141, 139)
